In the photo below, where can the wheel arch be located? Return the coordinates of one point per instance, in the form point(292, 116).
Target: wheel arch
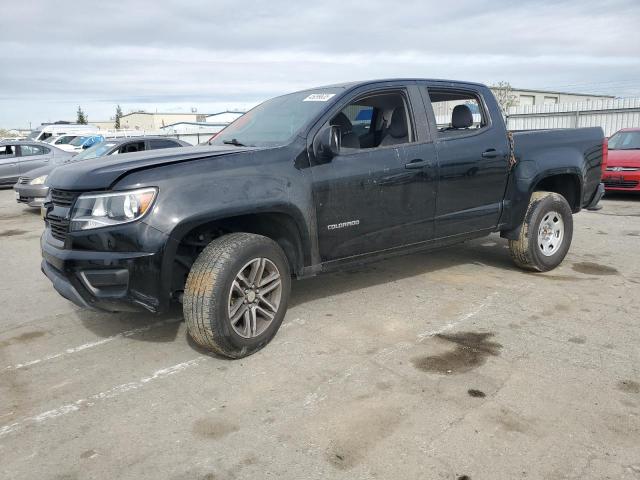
point(191, 236)
point(566, 182)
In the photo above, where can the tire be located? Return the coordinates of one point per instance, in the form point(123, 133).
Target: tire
point(537, 246)
point(211, 294)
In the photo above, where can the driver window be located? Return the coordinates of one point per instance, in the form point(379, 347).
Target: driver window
point(375, 121)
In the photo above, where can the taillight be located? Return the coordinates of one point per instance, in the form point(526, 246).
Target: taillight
point(605, 153)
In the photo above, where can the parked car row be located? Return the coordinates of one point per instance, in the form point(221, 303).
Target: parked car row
point(27, 164)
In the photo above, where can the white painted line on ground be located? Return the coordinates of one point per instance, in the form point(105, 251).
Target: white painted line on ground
point(91, 401)
point(458, 321)
point(80, 348)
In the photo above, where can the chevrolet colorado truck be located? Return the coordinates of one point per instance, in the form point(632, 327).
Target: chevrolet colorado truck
point(307, 183)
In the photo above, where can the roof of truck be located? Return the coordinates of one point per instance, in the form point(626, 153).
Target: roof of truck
point(385, 80)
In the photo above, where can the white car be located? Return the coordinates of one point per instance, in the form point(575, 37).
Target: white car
point(60, 140)
point(80, 143)
point(57, 129)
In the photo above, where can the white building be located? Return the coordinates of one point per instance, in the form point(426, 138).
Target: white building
point(223, 118)
point(524, 97)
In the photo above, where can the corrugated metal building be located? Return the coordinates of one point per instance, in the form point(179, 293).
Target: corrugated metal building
point(610, 114)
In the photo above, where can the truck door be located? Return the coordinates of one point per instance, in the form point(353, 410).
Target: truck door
point(378, 192)
point(472, 158)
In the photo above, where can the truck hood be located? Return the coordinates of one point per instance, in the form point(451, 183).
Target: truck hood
point(100, 173)
point(623, 158)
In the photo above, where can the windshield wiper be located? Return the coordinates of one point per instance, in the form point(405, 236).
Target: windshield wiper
point(235, 142)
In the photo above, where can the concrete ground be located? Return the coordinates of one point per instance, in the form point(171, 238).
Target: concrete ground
point(444, 365)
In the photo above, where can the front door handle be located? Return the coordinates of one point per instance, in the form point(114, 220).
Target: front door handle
point(416, 164)
point(492, 153)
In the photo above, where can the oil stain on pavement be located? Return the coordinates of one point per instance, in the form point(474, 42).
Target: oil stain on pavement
point(470, 350)
point(215, 429)
point(629, 386)
point(12, 233)
point(590, 268)
point(22, 338)
point(476, 393)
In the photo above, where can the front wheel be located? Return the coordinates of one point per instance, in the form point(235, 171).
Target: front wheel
point(236, 294)
point(546, 233)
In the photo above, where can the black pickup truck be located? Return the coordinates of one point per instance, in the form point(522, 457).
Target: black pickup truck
point(306, 183)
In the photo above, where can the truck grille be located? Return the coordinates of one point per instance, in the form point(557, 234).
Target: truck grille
point(62, 198)
point(24, 180)
point(59, 227)
point(620, 184)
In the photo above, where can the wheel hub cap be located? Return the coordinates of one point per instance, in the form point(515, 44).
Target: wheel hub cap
point(254, 297)
point(550, 233)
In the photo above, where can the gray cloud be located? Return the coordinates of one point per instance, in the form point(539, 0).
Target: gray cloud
point(171, 55)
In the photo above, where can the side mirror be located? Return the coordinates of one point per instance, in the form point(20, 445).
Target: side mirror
point(326, 145)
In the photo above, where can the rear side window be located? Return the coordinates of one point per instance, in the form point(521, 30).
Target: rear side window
point(156, 144)
point(457, 112)
point(132, 147)
point(30, 150)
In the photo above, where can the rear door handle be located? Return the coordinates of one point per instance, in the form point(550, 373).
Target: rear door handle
point(416, 164)
point(492, 153)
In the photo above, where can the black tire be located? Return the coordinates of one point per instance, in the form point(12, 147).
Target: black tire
point(525, 251)
point(206, 294)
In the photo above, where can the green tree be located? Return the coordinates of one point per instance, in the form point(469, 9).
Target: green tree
point(504, 96)
point(116, 125)
point(81, 118)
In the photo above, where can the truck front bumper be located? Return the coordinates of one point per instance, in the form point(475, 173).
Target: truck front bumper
point(110, 281)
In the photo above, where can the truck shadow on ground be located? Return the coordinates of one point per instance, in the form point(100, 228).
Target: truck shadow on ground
point(489, 251)
point(165, 328)
point(140, 326)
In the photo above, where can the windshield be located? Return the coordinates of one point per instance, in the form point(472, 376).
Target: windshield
point(625, 141)
point(78, 141)
point(98, 150)
point(275, 121)
point(64, 140)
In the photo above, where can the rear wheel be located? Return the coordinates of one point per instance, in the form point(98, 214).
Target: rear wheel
point(546, 233)
point(236, 294)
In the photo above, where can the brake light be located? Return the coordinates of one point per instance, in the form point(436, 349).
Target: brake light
point(605, 153)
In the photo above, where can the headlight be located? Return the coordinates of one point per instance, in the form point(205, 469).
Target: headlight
point(38, 180)
point(95, 210)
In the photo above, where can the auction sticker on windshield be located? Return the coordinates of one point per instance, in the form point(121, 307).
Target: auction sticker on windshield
point(319, 97)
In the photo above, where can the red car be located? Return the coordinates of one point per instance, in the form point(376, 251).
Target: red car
point(622, 173)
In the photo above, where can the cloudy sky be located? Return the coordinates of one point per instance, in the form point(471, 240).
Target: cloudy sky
point(168, 55)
